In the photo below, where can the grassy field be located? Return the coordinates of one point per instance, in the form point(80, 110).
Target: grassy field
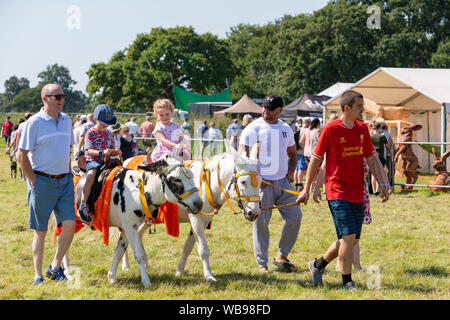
point(405, 249)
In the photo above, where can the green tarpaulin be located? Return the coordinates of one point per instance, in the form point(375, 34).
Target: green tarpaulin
point(429, 147)
point(183, 97)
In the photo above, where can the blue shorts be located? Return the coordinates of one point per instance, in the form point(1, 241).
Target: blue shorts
point(93, 165)
point(348, 217)
point(302, 165)
point(49, 195)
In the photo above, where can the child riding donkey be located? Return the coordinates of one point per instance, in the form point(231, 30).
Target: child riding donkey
point(99, 144)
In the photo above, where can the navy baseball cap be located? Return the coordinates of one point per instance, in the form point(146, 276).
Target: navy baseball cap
point(104, 114)
point(273, 101)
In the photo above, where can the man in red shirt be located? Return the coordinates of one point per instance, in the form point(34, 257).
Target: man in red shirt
point(7, 128)
point(346, 142)
point(147, 128)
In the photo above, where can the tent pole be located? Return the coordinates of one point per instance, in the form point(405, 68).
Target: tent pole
point(444, 110)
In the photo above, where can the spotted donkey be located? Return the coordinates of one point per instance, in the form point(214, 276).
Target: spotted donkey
point(164, 180)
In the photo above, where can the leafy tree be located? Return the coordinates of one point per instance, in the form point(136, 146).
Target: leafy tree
point(14, 85)
point(334, 43)
point(23, 98)
point(441, 58)
point(57, 74)
point(75, 99)
point(138, 75)
point(27, 100)
point(252, 52)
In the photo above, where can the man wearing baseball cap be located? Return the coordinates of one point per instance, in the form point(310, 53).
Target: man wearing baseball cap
point(277, 161)
point(98, 146)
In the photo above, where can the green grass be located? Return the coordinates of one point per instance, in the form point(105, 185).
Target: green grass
point(408, 242)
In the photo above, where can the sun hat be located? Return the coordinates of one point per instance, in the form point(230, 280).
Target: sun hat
point(104, 114)
point(273, 101)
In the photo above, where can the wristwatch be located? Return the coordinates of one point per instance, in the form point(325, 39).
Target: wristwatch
point(100, 154)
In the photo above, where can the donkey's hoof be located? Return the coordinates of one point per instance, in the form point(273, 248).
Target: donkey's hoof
point(111, 278)
point(211, 279)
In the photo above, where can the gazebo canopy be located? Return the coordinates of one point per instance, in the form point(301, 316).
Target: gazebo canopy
point(244, 105)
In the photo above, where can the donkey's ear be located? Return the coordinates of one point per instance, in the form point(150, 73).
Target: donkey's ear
point(156, 167)
point(230, 149)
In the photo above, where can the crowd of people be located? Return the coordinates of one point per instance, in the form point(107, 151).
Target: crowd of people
point(336, 156)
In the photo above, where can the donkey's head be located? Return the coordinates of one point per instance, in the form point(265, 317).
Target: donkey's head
point(247, 182)
point(177, 183)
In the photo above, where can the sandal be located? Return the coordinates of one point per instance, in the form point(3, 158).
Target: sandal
point(285, 266)
point(263, 269)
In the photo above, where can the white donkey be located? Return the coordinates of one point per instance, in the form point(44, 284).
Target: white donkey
point(225, 176)
point(136, 193)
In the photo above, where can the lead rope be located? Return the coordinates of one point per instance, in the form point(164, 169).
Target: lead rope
point(282, 189)
point(223, 190)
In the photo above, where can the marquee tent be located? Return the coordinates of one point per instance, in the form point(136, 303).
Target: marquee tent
point(307, 105)
point(336, 89)
point(243, 106)
point(406, 96)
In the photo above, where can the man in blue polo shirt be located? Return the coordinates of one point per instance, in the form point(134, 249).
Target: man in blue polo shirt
point(44, 155)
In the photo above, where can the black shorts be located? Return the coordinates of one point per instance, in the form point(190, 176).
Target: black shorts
point(382, 160)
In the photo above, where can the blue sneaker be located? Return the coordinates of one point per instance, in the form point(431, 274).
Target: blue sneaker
point(57, 274)
point(37, 281)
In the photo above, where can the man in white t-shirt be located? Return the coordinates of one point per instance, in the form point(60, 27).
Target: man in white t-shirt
point(214, 134)
point(276, 164)
point(135, 130)
point(134, 127)
point(77, 137)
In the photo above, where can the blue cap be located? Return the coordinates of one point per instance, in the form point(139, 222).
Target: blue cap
point(104, 114)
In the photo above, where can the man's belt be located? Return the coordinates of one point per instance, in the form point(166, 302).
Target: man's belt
point(58, 176)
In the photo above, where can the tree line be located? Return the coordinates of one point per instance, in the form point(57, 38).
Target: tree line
point(20, 97)
point(305, 53)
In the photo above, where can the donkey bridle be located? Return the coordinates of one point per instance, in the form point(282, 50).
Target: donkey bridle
point(166, 182)
point(236, 175)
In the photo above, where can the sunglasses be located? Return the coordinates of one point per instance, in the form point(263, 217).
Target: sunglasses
point(57, 96)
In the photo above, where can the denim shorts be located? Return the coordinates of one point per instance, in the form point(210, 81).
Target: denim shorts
point(49, 195)
point(348, 217)
point(302, 165)
point(93, 165)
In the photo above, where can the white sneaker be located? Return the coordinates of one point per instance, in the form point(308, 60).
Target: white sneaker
point(350, 286)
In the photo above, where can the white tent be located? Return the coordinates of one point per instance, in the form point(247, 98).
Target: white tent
point(336, 89)
point(422, 94)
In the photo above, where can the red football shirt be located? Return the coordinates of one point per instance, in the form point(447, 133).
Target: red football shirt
point(345, 150)
point(7, 128)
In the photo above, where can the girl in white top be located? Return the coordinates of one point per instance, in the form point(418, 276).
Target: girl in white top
point(168, 133)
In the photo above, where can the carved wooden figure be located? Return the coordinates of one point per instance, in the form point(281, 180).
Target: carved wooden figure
point(404, 158)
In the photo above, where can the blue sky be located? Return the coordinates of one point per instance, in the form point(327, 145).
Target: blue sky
point(35, 33)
